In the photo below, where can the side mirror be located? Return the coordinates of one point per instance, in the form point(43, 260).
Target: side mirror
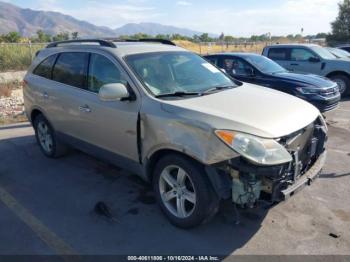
point(314, 59)
point(113, 92)
point(250, 72)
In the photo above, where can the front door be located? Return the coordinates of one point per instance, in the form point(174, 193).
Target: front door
point(111, 125)
point(303, 60)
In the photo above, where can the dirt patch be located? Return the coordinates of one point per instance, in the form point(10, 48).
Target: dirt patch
point(343, 215)
point(11, 102)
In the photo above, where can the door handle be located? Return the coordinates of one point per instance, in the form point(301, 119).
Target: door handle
point(45, 95)
point(85, 109)
point(294, 64)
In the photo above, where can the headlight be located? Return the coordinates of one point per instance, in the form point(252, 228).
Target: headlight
point(258, 150)
point(308, 90)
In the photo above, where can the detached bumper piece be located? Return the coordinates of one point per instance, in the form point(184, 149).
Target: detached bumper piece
point(277, 183)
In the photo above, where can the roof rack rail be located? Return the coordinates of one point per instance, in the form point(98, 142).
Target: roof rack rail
point(102, 42)
point(154, 40)
point(151, 40)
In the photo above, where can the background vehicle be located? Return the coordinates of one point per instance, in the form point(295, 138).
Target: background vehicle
point(314, 59)
point(339, 53)
point(344, 47)
point(180, 123)
point(260, 70)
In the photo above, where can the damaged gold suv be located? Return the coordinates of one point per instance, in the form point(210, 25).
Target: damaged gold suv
point(180, 123)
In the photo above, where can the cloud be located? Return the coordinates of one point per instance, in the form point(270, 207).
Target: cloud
point(286, 18)
point(106, 13)
point(183, 3)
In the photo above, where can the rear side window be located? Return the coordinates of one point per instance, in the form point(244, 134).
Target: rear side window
point(71, 68)
point(278, 54)
point(44, 69)
point(103, 71)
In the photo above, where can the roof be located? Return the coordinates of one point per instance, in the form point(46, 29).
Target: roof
point(239, 54)
point(121, 49)
point(129, 48)
point(291, 45)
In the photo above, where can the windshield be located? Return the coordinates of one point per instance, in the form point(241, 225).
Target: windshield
point(339, 53)
point(171, 72)
point(265, 64)
point(323, 52)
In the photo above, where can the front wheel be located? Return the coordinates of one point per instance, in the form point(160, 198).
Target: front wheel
point(343, 83)
point(183, 191)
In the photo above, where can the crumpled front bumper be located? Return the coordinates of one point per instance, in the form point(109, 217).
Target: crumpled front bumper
point(307, 178)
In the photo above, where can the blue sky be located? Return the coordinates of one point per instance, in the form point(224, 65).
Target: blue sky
point(236, 17)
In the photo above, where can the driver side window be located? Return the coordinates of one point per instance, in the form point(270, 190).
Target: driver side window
point(301, 54)
point(102, 71)
point(235, 66)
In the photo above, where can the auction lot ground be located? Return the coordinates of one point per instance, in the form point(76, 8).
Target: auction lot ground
point(47, 207)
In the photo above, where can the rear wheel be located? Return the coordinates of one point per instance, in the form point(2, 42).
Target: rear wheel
point(343, 82)
point(184, 191)
point(47, 139)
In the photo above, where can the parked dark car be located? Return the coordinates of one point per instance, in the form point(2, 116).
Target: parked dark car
point(312, 59)
point(344, 47)
point(260, 70)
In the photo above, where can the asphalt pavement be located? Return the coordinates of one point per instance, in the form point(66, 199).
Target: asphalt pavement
point(47, 207)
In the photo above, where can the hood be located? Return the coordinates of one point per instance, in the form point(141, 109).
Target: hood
point(305, 79)
point(339, 63)
point(249, 108)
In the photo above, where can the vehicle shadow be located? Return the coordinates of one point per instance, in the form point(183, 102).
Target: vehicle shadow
point(333, 175)
point(76, 182)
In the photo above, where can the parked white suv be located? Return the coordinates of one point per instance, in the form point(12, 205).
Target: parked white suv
point(180, 123)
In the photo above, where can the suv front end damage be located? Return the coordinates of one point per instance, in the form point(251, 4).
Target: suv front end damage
point(248, 182)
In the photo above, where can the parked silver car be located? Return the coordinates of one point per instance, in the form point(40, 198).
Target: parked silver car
point(314, 59)
point(179, 122)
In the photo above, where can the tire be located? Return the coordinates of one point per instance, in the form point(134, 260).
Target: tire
point(343, 82)
point(192, 198)
point(47, 139)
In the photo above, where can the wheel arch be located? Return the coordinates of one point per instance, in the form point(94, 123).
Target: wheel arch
point(152, 160)
point(333, 73)
point(34, 113)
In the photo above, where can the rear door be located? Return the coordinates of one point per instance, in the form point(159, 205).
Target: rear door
point(69, 77)
point(281, 55)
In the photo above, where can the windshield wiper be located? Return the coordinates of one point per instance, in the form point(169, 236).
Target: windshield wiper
point(217, 88)
point(179, 94)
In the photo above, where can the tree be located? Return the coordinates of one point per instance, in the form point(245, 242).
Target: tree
point(75, 35)
point(12, 37)
point(42, 37)
point(204, 37)
point(341, 26)
point(229, 38)
point(61, 37)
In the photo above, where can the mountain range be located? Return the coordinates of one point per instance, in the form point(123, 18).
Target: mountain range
point(27, 22)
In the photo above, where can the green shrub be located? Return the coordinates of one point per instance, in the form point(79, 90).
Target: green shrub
point(17, 56)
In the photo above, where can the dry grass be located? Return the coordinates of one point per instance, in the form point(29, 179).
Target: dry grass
point(17, 56)
point(13, 120)
point(7, 88)
point(218, 48)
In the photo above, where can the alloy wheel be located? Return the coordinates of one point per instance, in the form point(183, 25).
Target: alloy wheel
point(45, 137)
point(177, 191)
